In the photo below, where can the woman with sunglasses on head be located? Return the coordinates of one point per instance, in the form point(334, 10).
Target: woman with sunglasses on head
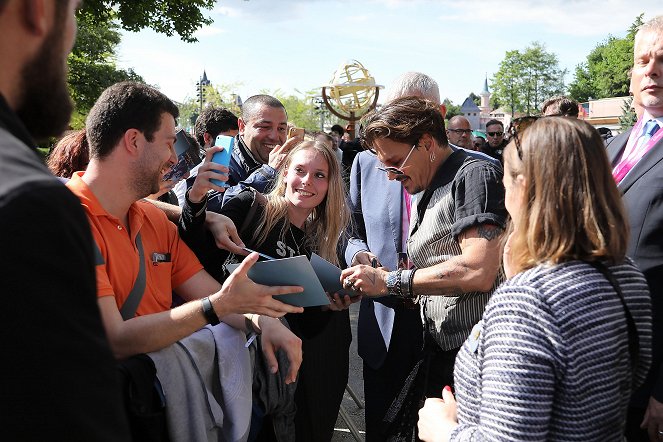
point(566, 338)
point(304, 213)
point(456, 220)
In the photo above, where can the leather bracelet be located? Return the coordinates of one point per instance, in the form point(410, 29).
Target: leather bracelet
point(208, 311)
point(410, 284)
point(406, 283)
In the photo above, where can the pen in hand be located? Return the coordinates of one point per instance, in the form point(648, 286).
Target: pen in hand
point(259, 254)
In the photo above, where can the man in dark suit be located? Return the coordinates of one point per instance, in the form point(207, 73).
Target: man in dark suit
point(637, 160)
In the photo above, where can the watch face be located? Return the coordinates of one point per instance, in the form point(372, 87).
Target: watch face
point(393, 279)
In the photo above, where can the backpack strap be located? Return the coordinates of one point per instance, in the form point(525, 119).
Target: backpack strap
point(128, 309)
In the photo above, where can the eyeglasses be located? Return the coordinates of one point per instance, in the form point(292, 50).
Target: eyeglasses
point(397, 171)
point(460, 131)
point(518, 126)
point(495, 134)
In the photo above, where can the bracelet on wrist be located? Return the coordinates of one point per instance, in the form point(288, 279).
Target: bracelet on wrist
point(407, 281)
point(208, 310)
point(394, 287)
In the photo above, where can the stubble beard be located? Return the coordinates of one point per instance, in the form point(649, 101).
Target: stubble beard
point(44, 104)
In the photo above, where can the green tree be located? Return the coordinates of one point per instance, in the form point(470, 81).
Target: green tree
point(215, 95)
point(507, 82)
point(182, 17)
point(92, 65)
point(303, 109)
point(475, 98)
point(628, 117)
point(605, 73)
point(526, 79)
point(452, 109)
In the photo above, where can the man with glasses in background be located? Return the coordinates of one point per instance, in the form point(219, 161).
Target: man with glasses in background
point(459, 132)
point(495, 139)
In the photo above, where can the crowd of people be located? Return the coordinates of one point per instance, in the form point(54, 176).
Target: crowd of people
point(508, 282)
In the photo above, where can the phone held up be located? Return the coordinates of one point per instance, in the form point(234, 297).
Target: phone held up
point(223, 157)
point(296, 132)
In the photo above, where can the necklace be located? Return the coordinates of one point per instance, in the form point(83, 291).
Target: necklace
point(294, 240)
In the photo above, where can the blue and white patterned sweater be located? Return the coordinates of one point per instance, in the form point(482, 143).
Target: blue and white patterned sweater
point(551, 359)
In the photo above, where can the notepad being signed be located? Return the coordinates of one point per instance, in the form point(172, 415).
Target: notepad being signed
point(289, 271)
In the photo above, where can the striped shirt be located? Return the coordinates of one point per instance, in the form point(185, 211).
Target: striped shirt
point(464, 193)
point(550, 361)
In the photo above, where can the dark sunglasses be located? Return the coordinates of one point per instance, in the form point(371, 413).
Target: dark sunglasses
point(495, 134)
point(519, 126)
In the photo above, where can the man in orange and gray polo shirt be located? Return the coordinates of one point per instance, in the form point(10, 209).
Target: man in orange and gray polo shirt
point(131, 133)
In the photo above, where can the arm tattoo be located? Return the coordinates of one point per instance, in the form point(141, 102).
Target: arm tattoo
point(489, 231)
point(452, 270)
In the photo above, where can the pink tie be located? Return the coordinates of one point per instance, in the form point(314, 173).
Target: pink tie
point(640, 147)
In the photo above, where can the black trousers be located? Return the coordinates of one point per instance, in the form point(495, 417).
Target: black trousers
point(440, 370)
point(381, 385)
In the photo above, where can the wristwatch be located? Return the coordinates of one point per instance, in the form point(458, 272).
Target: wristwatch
point(394, 283)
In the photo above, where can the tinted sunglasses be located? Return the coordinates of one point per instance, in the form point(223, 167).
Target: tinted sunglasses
point(495, 134)
point(397, 171)
point(460, 131)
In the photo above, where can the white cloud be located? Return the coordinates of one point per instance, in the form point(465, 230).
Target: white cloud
point(209, 31)
point(581, 18)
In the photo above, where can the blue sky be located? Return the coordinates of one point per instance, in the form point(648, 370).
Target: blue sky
point(298, 44)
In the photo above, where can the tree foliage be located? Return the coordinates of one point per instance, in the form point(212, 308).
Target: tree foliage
point(92, 65)
point(476, 98)
point(181, 17)
point(452, 109)
point(526, 79)
point(215, 95)
point(305, 110)
point(605, 73)
point(628, 117)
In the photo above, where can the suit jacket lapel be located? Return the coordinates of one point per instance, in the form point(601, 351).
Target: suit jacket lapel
point(649, 160)
point(617, 146)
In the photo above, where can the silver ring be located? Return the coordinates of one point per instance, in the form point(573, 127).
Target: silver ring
point(660, 433)
point(349, 283)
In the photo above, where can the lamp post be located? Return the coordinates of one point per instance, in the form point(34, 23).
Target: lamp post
point(200, 89)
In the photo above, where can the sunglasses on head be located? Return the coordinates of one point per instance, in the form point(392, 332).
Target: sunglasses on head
point(519, 126)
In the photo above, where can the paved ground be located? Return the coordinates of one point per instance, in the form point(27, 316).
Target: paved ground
point(356, 382)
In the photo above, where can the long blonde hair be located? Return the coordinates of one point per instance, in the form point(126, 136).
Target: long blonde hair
point(572, 209)
point(326, 222)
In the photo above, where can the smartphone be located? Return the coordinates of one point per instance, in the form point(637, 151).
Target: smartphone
point(187, 158)
point(295, 132)
point(223, 157)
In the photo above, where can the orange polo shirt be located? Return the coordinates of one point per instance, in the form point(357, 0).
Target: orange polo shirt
point(116, 276)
